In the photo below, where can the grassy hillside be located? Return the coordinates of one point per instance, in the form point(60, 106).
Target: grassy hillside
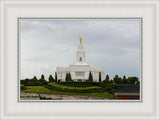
point(44, 90)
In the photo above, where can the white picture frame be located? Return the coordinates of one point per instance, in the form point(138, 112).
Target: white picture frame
point(147, 109)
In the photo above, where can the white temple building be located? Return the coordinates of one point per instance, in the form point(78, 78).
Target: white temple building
point(80, 69)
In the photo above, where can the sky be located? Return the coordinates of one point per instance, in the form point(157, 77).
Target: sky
point(49, 43)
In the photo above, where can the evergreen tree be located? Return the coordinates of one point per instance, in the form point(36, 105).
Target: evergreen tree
point(106, 79)
point(51, 79)
point(124, 80)
point(55, 76)
point(117, 79)
point(34, 78)
point(26, 80)
point(100, 77)
point(90, 78)
point(42, 80)
point(111, 81)
point(137, 82)
point(129, 80)
point(69, 77)
point(42, 77)
point(132, 80)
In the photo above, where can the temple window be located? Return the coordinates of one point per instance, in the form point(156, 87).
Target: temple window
point(80, 59)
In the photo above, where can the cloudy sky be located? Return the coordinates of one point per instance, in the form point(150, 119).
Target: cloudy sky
point(110, 43)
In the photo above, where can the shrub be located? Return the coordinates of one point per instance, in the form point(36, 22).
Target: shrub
point(79, 84)
point(31, 82)
point(51, 79)
point(59, 87)
point(23, 88)
point(44, 98)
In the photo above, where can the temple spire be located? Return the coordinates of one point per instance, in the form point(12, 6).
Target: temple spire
point(80, 40)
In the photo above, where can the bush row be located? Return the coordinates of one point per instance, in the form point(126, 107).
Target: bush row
point(73, 89)
point(79, 84)
point(23, 88)
point(30, 82)
point(44, 98)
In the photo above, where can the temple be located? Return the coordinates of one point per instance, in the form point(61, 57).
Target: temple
point(80, 69)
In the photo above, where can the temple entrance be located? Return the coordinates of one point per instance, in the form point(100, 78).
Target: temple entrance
point(79, 80)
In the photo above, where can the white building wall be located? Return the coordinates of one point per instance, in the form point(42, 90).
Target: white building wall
point(61, 72)
point(80, 66)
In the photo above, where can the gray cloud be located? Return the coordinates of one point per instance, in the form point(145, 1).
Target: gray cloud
point(47, 44)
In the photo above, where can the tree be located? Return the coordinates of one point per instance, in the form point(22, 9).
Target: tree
point(34, 78)
point(132, 80)
point(42, 80)
point(26, 80)
point(124, 80)
point(59, 81)
point(106, 79)
point(51, 79)
point(67, 77)
point(42, 77)
point(100, 77)
point(55, 76)
point(111, 81)
point(117, 79)
point(90, 78)
point(137, 82)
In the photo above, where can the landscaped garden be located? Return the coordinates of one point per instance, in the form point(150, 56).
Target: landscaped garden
point(104, 89)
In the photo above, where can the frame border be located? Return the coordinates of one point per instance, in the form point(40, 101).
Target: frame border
point(155, 115)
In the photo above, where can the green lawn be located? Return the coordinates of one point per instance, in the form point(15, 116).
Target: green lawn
point(58, 87)
point(43, 90)
point(68, 87)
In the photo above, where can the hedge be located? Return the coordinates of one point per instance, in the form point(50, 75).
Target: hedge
point(58, 87)
point(79, 84)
